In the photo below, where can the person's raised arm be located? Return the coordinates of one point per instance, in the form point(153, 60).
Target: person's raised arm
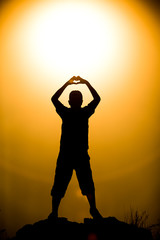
point(96, 97)
point(56, 96)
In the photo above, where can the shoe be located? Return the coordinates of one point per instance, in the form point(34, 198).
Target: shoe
point(53, 216)
point(95, 214)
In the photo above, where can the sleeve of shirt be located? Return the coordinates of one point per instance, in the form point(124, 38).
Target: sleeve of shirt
point(90, 108)
point(60, 109)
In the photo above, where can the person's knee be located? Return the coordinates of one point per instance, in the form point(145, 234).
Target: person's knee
point(91, 195)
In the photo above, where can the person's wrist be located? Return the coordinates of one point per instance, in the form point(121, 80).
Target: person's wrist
point(86, 82)
point(66, 84)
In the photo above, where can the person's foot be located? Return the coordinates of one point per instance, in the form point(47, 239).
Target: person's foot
point(95, 214)
point(53, 216)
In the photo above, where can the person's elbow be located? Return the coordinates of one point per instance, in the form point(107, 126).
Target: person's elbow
point(53, 99)
point(98, 99)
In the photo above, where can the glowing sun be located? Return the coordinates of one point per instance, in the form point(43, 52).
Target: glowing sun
point(78, 38)
point(100, 40)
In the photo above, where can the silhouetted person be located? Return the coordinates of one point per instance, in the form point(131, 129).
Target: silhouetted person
point(73, 153)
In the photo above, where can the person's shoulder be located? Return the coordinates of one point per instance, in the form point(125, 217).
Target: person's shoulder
point(89, 109)
point(61, 110)
point(85, 109)
point(66, 109)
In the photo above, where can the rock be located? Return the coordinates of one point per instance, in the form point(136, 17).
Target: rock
point(108, 228)
point(112, 229)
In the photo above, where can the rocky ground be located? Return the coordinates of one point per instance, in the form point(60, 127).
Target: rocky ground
point(109, 228)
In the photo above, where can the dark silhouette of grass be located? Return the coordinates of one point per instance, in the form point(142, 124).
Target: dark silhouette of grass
point(139, 219)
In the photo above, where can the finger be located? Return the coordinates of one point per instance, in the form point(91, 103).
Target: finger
point(72, 78)
point(79, 78)
point(70, 81)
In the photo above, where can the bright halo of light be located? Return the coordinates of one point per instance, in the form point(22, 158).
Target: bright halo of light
point(102, 41)
point(77, 38)
point(68, 38)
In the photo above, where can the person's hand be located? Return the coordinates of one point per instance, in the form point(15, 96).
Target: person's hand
point(81, 80)
point(76, 80)
point(71, 81)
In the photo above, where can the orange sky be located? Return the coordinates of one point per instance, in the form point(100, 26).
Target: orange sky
point(120, 58)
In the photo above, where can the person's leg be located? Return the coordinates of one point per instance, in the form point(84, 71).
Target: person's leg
point(91, 200)
point(84, 175)
point(63, 176)
point(93, 209)
point(55, 205)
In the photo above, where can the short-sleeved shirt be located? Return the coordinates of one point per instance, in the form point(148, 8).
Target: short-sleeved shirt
point(75, 126)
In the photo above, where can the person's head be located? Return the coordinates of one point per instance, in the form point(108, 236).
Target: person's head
point(75, 99)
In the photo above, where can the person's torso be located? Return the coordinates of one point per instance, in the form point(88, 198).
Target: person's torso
point(74, 130)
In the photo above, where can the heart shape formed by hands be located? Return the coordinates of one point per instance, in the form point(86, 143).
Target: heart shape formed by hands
point(74, 78)
point(76, 81)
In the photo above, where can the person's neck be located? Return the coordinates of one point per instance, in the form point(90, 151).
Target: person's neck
point(76, 108)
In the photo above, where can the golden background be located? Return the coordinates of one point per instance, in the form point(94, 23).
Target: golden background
point(115, 46)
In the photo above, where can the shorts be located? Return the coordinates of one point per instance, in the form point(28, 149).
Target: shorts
point(66, 163)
